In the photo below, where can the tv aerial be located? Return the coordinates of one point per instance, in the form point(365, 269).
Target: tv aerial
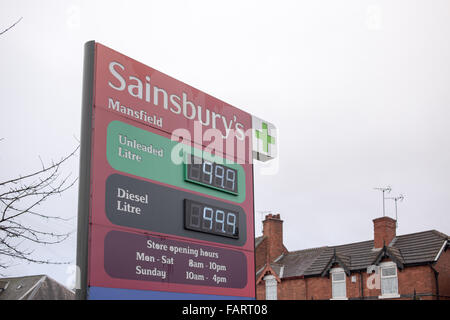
point(262, 213)
point(387, 189)
point(398, 198)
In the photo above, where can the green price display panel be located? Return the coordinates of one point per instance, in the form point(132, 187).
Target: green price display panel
point(151, 156)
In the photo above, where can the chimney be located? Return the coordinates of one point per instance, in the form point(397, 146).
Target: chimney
point(273, 230)
point(384, 231)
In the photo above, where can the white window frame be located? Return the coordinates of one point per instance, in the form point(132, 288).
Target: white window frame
point(271, 287)
point(335, 271)
point(385, 265)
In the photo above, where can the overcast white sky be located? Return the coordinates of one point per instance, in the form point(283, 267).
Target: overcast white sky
point(360, 92)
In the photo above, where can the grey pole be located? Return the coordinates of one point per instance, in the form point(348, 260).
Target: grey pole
point(383, 190)
point(85, 171)
point(400, 197)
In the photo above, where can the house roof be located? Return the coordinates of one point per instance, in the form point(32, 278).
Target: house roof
point(420, 247)
point(258, 240)
point(298, 262)
point(410, 249)
point(39, 287)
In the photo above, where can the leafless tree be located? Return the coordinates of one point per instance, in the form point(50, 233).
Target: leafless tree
point(20, 198)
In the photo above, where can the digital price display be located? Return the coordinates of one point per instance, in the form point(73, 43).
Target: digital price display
point(210, 219)
point(214, 175)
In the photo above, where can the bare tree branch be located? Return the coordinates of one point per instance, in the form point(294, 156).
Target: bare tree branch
point(11, 26)
point(20, 198)
point(45, 169)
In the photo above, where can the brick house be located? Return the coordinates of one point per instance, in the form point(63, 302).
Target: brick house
point(411, 266)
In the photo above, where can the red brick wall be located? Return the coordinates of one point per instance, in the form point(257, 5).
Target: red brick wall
point(354, 288)
point(318, 288)
point(261, 291)
point(420, 278)
point(291, 290)
point(261, 255)
point(443, 267)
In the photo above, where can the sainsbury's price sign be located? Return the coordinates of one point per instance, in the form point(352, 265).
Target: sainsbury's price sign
point(163, 212)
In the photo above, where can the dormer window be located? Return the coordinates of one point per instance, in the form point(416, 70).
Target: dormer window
point(271, 287)
point(338, 286)
point(389, 280)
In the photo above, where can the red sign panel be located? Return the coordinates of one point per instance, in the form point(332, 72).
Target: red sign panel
point(158, 221)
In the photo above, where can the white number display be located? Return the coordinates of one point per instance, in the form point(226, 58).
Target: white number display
point(231, 221)
point(210, 219)
point(207, 172)
point(231, 177)
point(208, 214)
point(220, 221)
point(219, 175)
point(212, 174)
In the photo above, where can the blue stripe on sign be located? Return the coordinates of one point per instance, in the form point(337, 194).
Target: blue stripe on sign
point(100, 293)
